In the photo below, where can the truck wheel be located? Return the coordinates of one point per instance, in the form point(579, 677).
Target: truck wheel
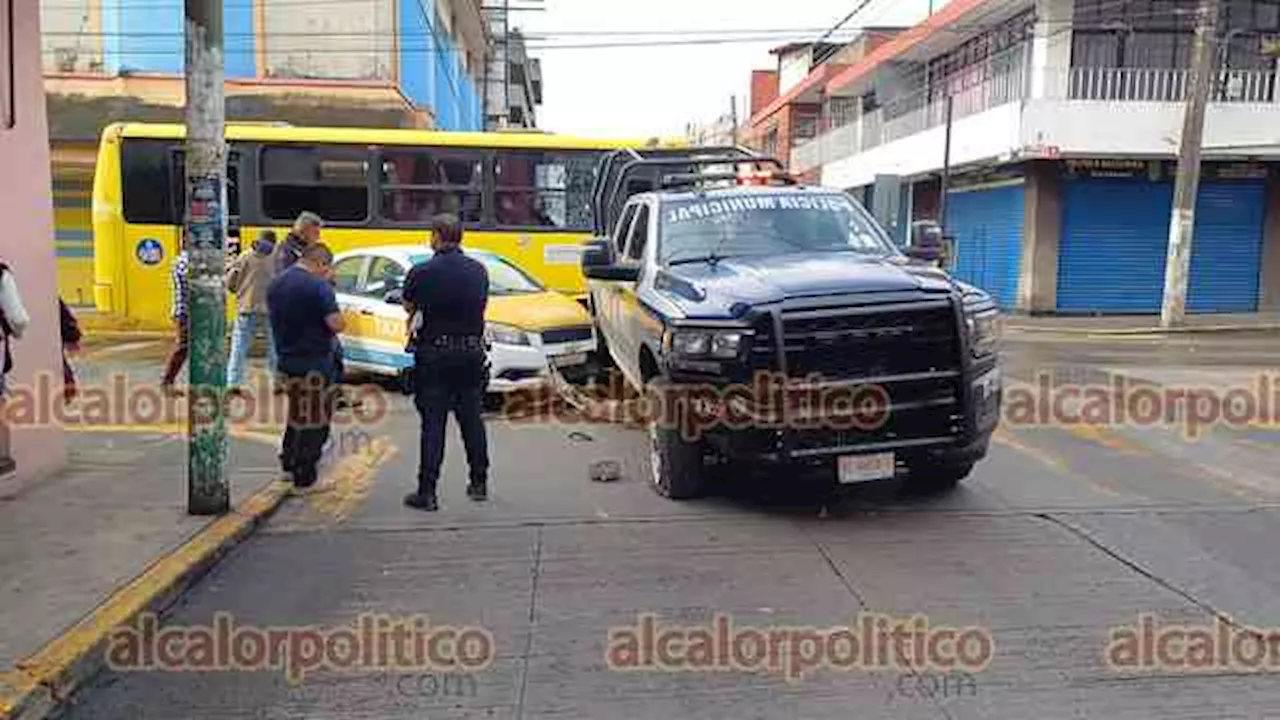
point(675, 464)
point(937, 476)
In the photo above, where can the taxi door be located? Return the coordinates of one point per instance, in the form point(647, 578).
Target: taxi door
point(383, 319)
point(348, 276)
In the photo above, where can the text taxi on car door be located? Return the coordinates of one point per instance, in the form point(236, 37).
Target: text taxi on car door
point(529, 327)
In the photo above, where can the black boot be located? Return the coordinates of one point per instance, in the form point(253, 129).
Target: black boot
point(424, 501)
point(478, 490)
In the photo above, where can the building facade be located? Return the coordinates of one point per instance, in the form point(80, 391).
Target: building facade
point(33, 447)
point(513, 79)
point(378, 63)
point(1065, 118)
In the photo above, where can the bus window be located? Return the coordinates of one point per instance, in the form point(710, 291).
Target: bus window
point(180, 187)
point(330, 181)
point(145, 167)
point(544, 189)
point(419, 184)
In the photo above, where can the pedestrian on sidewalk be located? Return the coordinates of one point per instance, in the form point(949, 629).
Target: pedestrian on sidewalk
point(248, 279)
point(451, 369)
point(14, 321)
point(71, 337)
point(305, 321)
point(182, 334)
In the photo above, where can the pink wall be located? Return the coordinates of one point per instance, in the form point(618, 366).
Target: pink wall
point(26, 244)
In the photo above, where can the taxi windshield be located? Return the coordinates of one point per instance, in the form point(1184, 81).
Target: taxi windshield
point(744, 224)
point(504, 278)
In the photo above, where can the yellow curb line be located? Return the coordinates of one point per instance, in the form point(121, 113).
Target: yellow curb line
point(47, 677)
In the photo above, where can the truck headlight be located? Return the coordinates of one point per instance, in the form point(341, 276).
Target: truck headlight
point(984, 331)
point(720, 344)
point(500, 334)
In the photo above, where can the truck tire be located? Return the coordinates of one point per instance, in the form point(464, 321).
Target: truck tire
point(937, 476)
point(675, 464)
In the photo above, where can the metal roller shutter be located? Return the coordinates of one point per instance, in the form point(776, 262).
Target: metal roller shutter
point(987, 224)
point(1115, 238)
point(1226, 255)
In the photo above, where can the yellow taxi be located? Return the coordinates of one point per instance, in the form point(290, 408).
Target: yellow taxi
point(529, 327)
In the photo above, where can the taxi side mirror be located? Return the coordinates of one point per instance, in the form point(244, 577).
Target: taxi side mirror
point(395, 297)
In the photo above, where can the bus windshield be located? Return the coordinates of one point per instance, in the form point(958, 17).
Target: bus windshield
point(746, 224)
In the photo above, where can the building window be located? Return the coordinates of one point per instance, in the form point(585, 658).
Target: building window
point(806, 126)
point(7, 61)
point(329, 181)
point(420, 184)
point(544, 189)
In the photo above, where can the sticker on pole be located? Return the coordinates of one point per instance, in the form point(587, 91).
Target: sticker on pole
point(149, 251)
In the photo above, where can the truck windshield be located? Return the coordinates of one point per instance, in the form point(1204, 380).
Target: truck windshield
point(766, 224)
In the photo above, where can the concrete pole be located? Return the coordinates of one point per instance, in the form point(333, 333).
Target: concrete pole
point(208, 492)
point(1187, 184)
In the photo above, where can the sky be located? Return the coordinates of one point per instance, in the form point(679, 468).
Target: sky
point(647, 91)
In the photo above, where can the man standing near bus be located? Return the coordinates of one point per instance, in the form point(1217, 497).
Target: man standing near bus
point(182, 343)
point(451, 370)
point(305, 321)
point(306, 231)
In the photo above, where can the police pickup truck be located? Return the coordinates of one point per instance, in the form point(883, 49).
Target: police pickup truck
point(769, 321)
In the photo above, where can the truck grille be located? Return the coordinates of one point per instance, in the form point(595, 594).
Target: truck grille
point(564, 335)
point(910, 350)
point(862, 342)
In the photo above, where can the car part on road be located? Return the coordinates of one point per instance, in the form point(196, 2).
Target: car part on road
point(606, 471)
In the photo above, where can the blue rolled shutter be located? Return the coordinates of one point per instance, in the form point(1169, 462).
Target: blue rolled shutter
point(988, 227)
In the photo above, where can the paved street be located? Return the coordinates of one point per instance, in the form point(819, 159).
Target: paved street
point(1061, 535)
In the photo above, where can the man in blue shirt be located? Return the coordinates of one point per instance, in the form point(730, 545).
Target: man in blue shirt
point(305, 322)
point(451, 370)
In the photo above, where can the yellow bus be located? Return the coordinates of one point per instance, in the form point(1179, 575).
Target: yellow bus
point(523, 195)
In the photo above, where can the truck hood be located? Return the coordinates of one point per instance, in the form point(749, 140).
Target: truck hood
point(727, 287)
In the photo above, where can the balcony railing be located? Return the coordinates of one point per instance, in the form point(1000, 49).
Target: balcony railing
point(918, 113)
point(1168, 85)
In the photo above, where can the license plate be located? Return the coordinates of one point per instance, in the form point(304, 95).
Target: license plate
point(865, 468)
point(568, 360)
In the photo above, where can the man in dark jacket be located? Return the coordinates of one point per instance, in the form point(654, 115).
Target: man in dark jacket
point(305, 321)
point(451, 370)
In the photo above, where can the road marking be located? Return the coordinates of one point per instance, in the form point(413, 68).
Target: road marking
point(1003, 437)
point(350, 480)
point(1100, 435)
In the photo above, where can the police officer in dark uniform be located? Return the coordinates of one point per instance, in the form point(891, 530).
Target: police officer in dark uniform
point(451, 370)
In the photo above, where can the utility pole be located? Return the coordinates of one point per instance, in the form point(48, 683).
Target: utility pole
point(1187, 184)
point(208, 492)
point(733, 116)
point(946, 168)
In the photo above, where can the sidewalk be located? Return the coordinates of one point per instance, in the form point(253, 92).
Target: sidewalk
point(1142, 324)
point(104, 540)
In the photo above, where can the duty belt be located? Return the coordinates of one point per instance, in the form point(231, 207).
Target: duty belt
point(456, 343)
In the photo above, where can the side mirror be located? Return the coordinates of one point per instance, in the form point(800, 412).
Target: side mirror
point(926, 241)
point(395, 297)
point(625, 273)
point(597, 254)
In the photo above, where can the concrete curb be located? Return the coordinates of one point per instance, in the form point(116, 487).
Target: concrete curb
point(1188, 330)
point(42, 682)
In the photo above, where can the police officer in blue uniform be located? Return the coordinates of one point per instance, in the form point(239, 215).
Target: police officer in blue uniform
point(451, 370)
